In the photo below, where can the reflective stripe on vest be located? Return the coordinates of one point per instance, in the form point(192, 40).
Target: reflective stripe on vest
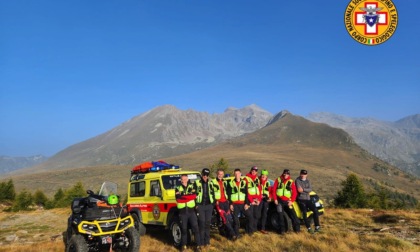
point(200, 191)
point(282, 190)
point(217, 190)
point(252, 186)
point(237, 194)
point(189, 204)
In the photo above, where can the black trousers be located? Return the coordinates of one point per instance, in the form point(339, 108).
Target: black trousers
point(304, 206)
point(205, 213)
point(292, 215)
point(255, 213)
point(263, 210)
point(187, 217)
point(239, 209)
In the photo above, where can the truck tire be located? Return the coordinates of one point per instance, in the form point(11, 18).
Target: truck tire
point(77, 243)
point(175, 229)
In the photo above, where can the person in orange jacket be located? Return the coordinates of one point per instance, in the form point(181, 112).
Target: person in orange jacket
point(284, 195)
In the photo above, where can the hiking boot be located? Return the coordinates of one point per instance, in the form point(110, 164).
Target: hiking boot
point(318, 229)
point(198, 249)
point(234, 238)
point(310, 231)
point(263, 231)
point(184, 248)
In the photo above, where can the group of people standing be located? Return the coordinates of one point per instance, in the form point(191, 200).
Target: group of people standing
point(248, 196)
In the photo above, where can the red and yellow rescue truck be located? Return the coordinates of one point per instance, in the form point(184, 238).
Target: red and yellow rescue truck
point(151, 196)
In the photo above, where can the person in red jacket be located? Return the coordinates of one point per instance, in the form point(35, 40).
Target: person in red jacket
point(220, 187)
point(254, 198)
point(265, 199)
point(284, 195)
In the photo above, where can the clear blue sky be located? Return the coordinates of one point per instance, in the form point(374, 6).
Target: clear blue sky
point(70, 70)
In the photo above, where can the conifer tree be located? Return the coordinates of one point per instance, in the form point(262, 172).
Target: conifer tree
point(40, 199)
point(77, 191)
point(7, 191)
point(23, 201)
point(59, 200)
point(222, 164)
point(352, 195)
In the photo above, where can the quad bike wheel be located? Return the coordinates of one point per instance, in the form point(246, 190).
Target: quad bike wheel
point(133, 241)
point(77, 243)
point(139, 226)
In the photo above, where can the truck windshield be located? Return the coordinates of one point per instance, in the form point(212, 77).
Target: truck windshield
point(172, 181)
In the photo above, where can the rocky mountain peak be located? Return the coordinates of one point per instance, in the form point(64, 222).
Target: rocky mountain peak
point(161, 132)
point(395, 142)
point(278, 116)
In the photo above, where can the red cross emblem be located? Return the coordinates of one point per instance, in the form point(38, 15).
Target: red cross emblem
point(371, 20)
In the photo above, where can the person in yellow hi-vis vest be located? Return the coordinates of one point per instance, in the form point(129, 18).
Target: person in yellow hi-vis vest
point(254, 198)
point(239, 202)
point(284, 194)
point(222, 204)
point(185, 195)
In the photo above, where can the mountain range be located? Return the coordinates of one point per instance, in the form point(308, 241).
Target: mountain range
point(161, 132)
point(283, 141)
point(166, 131)
point(9, 164)
point(395, 142)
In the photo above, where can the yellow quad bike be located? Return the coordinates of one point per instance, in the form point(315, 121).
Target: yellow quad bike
point(99, 222)
point(273, 220)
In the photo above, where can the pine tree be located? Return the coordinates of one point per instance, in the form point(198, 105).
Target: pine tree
point(352, 195)
point(39, 198)
point(222, 164)
point(59, 199)
point(76, 191)
point(23, 201)
point(7, 191)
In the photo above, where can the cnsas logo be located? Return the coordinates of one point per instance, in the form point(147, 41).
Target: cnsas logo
point(371, 22)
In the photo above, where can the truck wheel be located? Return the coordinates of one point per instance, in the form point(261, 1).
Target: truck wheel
point(141, 229)
point(77, 243)
point(175, 229)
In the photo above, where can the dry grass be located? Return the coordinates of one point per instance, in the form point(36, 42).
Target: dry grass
point(343, 230)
